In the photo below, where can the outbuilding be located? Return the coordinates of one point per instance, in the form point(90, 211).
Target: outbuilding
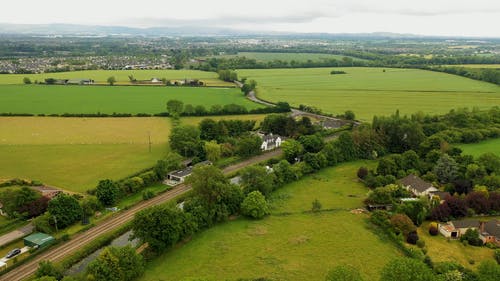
point(38, 240)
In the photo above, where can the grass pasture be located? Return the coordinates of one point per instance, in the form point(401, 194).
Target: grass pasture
point(55, 99)
point(101, 76)
point(476, 149)
point(299, 57)
point(371, 91)
point(290, 244)
point(74, 153)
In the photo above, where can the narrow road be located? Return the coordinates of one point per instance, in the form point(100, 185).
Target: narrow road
point(16, 234)
point(80, 240)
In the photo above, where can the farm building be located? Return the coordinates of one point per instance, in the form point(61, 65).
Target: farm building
point(179, 176)
point(417, 186)
point(38, 240)
point(489, 232)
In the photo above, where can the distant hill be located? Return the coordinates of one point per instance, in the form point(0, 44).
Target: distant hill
point(100, 30)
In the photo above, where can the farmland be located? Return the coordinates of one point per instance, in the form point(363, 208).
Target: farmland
point(38, 99)
point(373, 91)
point(299, 57)
point(280, 246)
point(122, 76)
point(476, 149)
point(74, 153)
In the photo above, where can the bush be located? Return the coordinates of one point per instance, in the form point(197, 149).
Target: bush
point(433, 230)
point(412, 238)
point(255, 205)
point(362, 172)
point(316, 206)
point(497, 255)
point(421, 243)
point(148, 194)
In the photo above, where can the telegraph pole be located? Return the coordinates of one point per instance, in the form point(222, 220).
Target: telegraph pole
point(149, 140)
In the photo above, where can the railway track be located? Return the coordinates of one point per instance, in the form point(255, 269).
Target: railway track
point(59, 252)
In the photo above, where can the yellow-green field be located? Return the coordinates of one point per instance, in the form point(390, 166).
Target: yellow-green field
point(101, 76)
point(74, 153)
point(440, 250)
point(371, 91)
point(289, 244)
point(478, 65)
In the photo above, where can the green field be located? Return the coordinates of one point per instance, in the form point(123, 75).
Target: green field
point(289, 244)
point(370, 91)
point(100, 76)
point(299, 57)
point(74, 153)
point(477, 149)
point(106, 99)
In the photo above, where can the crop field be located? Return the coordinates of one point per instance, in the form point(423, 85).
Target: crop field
point(280, 246)
point(371, 91)
point(476, 149)
point(122, 76)
point(478, 65)
point(300, 57)
point(60, 99)
point(74, 153)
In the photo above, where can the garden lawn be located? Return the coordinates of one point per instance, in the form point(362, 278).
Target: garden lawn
point(371, 91)
point(58, 99)
point(75, 153)
point(476, 149)
point(440, 249)
point(121, 76)
point(290, 244)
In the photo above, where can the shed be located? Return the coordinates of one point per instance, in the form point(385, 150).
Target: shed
point(38, 240)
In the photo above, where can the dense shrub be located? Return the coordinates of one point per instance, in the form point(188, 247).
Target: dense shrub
point(255, 205)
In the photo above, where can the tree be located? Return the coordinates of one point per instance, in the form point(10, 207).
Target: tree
point(255, 205)
point(491, 162)
point(478, 201)
point(90, 205)
point(248, 145)
point(116, 264)
point(185, 139)
point(349, 115)
point(47, 268)
point(472, 237)
point(171, 162)
point(35, 208)
point(402, 223)
point(343, 273)
point(107, 192)
point(257, 178)
point(458, 207)
point(111, 80)
point(446, 169)
point(441, 212)
point(45, 278)
point(26, 80)
point(292, 150)
point(387, 166)
point(212, 150)
point(175, 108)
point(348, 148)
point(162, 226)
point(15, 200)
point(406, 269)
point(65, 209)
point(283, 172)
point(311, 143)
point(497, 255)
point(209, 129)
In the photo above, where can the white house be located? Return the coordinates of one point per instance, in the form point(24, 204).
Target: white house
point(270, 142)
point(417, 186)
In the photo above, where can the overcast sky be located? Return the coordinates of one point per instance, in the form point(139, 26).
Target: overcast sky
point(428, 17)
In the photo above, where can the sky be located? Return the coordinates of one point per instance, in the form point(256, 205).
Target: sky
point(425, 17)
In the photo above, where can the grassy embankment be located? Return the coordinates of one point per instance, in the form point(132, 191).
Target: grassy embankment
point(291, 243)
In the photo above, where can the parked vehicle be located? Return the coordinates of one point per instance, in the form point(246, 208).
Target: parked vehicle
point(13, 253)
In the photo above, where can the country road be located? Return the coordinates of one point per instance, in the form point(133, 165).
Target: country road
point(59, 252)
